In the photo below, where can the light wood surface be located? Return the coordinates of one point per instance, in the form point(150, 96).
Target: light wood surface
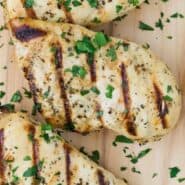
point(170, 151)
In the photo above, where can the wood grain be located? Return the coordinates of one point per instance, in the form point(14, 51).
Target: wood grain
point(168, 152)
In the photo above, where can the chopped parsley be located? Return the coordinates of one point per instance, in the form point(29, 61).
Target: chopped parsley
point(95, 90)
point(95, 156)
point(133, 2)
point(2, 94)
point(84, 92)
point(181, 180)
point(29, 3)
point(27, 158)
point(100, 39)
point(46, 128)
point(168, 98)
point(46, 93)
point(17, 97)
point(118, 8)
point(93, 3)
point(174, 171)
point(154, 175)
point(159, 24)
point(27, 93)
point(122, 139)
point(134, 170)
point(30, 172)
point(9, 107)
point(111, 52)
point(84, 46)
point(96, 20)
point(67, 5)
point(169, 88)
point(177, 15)
point(144, 26)
point(135, 159)
point(109, 91)
point(123, 168)
point(36, 108)
point(77, 71)
point(76, 3)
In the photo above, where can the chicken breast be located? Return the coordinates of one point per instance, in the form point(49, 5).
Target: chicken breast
point(83, 81)
point(38, 155)
point(84, 12)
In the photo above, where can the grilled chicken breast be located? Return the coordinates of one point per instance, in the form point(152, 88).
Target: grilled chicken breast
point(38, 155)
point(84, 81)
point(87, 12)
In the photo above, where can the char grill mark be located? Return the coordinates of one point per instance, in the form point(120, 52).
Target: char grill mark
point(58, 58)
point(29, 11)
point(31, 80)
point(101, 178)
point(66, 12)
point(92, 67)
point(161, 105)
point(67, 150)
point(25, 33)
point(127, 101)
point(35, 152)
point(2, 166)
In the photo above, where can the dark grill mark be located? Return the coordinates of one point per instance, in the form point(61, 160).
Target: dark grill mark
point(127, 101)
point(35, 152)
point(30, 77)
point(161, 106)
point(2, 167)
point(92, 66)
point(125, 87)
point(25, 33)
point(101, 178)
point(67, 150)
point(66, 12)
point(58, 61)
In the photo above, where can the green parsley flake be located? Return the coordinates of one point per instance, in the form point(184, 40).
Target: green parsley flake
point(29, 3)
point(168, 98)
point(111, 52)
point(27, 93)
point(27, 158)
point(30, 172)
point(9, 107)
point(77, 71)
point(144, 26)
point(174, 171)
point(36, 108)
point(84, 46)
point(76, 3)
point(95, 90)
point(122, 139)
point(134, 159)
point(93, 3)
point(134, 2)
point(84, 92)
point(119, 8)
point(17, 97)
point(2, 94)
point(100, 39)
point(109, 91)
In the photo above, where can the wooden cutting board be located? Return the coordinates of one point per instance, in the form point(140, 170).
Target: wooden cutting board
point(169, 44)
